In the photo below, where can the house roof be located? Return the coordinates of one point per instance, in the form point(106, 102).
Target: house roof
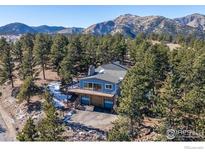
point(112, 72)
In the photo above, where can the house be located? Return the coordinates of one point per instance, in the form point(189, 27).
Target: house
point(102, 85)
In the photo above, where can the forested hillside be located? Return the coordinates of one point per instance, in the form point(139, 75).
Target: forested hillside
point(165, 84)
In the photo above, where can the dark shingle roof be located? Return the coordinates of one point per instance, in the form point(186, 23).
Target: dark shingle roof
point(112, 72)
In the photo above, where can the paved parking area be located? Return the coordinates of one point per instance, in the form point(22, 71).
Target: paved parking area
point(98, 120)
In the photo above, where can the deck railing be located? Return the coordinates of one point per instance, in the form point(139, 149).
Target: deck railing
point(74, 86)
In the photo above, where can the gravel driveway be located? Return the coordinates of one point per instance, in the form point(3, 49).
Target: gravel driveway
point(98, 120)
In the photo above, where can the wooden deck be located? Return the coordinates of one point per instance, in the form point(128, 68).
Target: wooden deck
point(89, 92)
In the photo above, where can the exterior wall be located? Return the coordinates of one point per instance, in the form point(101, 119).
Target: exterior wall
point(103, 83)
point(97, 100)
point(118, 88)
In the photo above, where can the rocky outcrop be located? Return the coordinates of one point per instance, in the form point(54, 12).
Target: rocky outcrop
point(131, 25)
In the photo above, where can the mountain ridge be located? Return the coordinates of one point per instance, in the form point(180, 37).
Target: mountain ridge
point(131, 25)
point(18, 28)
point(127, 24)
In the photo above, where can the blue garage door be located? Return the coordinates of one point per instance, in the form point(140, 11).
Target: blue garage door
point(108, 104)
point(85, 100)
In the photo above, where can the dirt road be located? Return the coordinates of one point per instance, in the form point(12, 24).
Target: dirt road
point(3, 132)
point(7, 130)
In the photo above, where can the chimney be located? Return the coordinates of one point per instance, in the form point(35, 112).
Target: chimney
point(91, 70)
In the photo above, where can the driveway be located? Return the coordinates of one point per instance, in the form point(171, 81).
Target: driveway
point(98, 120)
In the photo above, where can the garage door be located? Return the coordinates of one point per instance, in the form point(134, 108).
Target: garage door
point(108, 104)
point(97, 101)
point(85, 100)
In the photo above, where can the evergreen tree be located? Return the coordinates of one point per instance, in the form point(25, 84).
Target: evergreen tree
point(134, 95)
point(137, 48)
point(74, 49)
point(18, 51)
point(160, 53)
point(6, 63)
point(26, 90)
point(184, 94)
point(120, 131)
point(118, 48)
point(67, 69)
point(198, 70)
point(170, 104)
point(49, 128)
point(41, 49)
point(28, 66)
point(58, 50)
point(29, 132)
point(88, 51)
point(27, 42)
point(28, 63)
point(102, 52)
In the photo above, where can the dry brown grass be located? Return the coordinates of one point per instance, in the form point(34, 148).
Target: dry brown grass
point(173, 46)
point(50, 76)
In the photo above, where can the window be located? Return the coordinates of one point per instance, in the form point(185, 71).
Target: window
point(88, 85)
point(108, 86)
point(92, 86)
point(97, 87)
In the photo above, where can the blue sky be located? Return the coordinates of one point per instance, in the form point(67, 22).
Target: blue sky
point(83, 16)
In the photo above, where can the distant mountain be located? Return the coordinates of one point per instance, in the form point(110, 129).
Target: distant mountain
point(16, 29)
point(131, 25)
point(20, 28)
point(128, 25)
point(72, 30)
point(48, 29)
point(194, 20)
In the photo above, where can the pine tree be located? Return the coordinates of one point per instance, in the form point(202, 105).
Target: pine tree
point(118, 48)
point(184, 93)
point(26, 90)
point(74, 49)
point(103, 49)
point(160, 53)
point(58, 50)
point(133, 98)
point(41, 49)
point(29, 132)
point(49, 128)
point(137, 48)
point(28, 63)
point(6, 63)
point(18, 51)
point(27, 42)
point(28, 66)
point(66, 69)
point(169, 104)
point(88, 51)
point(120, 131)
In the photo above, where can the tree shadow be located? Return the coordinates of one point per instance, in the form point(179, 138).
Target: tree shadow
point(34, 106)
point(15, 92)
point(2, 130)
point(149, 128)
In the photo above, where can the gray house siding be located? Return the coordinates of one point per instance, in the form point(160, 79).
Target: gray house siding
point(103, 83)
